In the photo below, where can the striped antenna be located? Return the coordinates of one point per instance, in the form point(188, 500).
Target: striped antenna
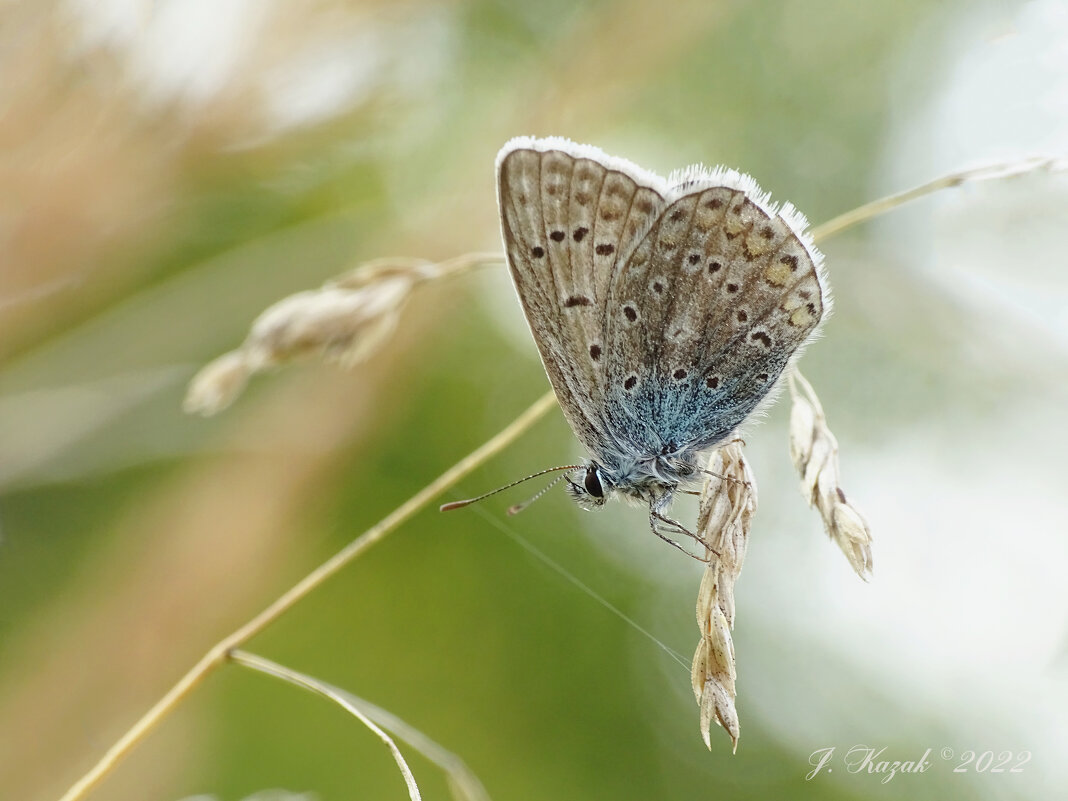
point(448, 507)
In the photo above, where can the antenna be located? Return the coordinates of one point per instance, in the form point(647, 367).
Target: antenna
point(519, 507)
point(448, 507)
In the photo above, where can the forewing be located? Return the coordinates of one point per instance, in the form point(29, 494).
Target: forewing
point(570, 216)
point(706, 314)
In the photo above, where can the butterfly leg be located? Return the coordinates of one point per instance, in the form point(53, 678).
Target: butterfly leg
point(675, 527)
point(722, 477)
point(653, 525)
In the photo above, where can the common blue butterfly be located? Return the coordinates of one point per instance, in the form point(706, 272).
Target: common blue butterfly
point(664, 310)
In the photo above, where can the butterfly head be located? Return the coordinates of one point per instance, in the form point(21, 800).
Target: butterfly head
point(650, 481)
point(589, 486)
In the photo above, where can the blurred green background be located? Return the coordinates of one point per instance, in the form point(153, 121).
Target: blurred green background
point(170, 169)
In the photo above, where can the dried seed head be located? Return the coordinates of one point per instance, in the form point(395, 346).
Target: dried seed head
point(340, 322)
point(814, 451)
point(376, 270)
point(728, 503)
point(344, 321)
point(215, 385)
point(342, 325)
point(723, 522)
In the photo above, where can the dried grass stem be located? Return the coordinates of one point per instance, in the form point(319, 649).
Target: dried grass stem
point(218, 654)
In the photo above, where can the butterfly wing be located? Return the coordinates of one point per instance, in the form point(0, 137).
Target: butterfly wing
point(706, 313)
point(571, 216)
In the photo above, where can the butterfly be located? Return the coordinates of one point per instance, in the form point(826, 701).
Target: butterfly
point(664, 311)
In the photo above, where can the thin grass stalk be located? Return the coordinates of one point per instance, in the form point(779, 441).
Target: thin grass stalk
point(262, 665)
point(463, 783)
point(218, 654)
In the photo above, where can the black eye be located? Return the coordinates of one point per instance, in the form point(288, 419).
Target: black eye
point(592, 483)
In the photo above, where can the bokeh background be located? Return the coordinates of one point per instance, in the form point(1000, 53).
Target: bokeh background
point(169, 169)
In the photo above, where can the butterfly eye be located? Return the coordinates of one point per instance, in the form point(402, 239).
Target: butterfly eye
point(593, 483)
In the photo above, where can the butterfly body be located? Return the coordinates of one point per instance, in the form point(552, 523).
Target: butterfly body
point(664, 310)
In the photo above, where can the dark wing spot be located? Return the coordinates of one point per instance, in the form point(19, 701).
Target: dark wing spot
point(583, 198)
point(644, 206)
point(712, 381)
point(694, 258)
point(605, 249)
point(557, 236)
point(658, 287)
point(580, 233)
point(804, 293)
point(767, 232)
point(732, 287)
point(595, 352)
point(713, 203)
point(677, 215)
point(608, 215)
point(714, 267)
point(742, 316)
point(790, 261)
point(762, 377)
point(729, 235)
point(630, 382)
point(631, 313)
point(762, 337)
point(577, 300)
point(537, 252)
point(679, 374)
point(841, 495)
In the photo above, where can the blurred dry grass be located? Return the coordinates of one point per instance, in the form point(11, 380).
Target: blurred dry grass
point(86, 177)
point(96, 176)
